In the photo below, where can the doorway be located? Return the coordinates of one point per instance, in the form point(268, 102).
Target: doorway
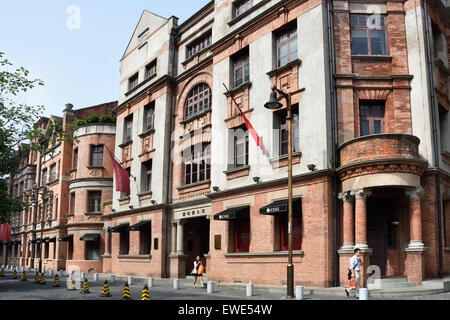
point(381, 229)
point(196, 240)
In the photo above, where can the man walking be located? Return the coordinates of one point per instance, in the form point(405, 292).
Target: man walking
point(355, 267)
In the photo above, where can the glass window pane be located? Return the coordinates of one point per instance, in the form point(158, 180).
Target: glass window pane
point(378, 41)
point(360, 47)
point(365, 127)
point(376, 126)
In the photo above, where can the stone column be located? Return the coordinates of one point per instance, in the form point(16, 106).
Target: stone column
point(173, 243)
point(361, 218)
point(414, 264)
point(180, 237)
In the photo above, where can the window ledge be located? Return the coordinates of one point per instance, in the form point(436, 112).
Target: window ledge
point(274, 253)
point(130, 91)
point(95, 167)
point(285, 156)
point(186, 186)
point(134, 256)
point(236, 169)
point(149, 131)
point(371, 57)
point(199, 115)
point(295, 62)
point(93, 213)
point(145, 193)
point(123, 145)
point(246, 13)
point(73, 170)
point(447, 249)
point(243, 86)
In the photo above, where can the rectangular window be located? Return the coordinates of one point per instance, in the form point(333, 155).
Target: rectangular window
point(93, 250)
point(240, 233)
point(96, 159)
point(72, 203)
point(147, 176)
point(283, 134)
point(197, 163)
point(145, 238)
point(46, 250)
point(241, 69)
point(198, 45)
point(286, 45)
point(124, 241)
point(133, 81)
point(52, 173)
point(94, 199)
point(371, 115)
point(239, 7)
point(44, 176)
point(70, 249)
point(368, 34)
point(150, 69)
point(75, 158)
point(128, 128)
point(296, 230)
point(240, 146)
point(149, 113)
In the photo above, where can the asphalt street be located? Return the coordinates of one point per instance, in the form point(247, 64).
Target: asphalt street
point(15, 289)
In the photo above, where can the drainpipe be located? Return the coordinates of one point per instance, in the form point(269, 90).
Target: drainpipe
point(333, 116)
point(432, 102)
point(169, 152)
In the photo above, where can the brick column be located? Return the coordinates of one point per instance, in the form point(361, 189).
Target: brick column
point(180, 237)
point(177, 256)
point(348, 223)
point(361, 218)
point(173, 242)
point(414, 264)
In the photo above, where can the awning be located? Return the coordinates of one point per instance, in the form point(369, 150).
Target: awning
point(53, 239)
point(66, 238)
point(120, 227)
point(38, 240)
point(33, 241)
point(139, 224)
point(46, 240)
point(231, 213)
point(90, 237)
point(278, 206)
point(18, 242)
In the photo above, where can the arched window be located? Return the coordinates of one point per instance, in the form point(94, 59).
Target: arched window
point(198, 100)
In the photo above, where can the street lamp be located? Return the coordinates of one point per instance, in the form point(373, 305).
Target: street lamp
point(35, 199)
point(273, 104)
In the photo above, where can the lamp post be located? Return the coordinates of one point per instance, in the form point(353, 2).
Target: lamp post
point(35, 200)
point(272, 104)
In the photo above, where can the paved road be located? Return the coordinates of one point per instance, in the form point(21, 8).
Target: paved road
point(11, 289)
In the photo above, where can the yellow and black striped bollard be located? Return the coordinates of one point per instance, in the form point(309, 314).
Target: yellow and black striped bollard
point(2, 273)
point(105, 291)
point(14, 276)
point(24, 276)
point(36, 278)
point(56, 281)
point(126, 292)
point(145, 293)
point(85, 287)
point(42, 278)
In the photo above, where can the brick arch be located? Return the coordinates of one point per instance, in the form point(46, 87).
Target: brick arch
point(372, 94)
point(202, 77)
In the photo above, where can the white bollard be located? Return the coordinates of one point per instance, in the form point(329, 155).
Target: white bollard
point(130, 280)
point(95, 276)
point(299, 292)
point(83, 275)
point(176, 284)
point(363, 294)
point(60, 274)
point(112, 279)
point(209, 287)
point(249, 289)
point(51, 272)
point(151, 282)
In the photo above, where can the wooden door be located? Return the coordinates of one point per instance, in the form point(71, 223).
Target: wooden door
point(376, 239)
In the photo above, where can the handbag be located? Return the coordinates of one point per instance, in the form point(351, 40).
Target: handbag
point(352, 283)
point(201, 268)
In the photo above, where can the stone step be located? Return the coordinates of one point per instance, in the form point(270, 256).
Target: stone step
point(391, 283)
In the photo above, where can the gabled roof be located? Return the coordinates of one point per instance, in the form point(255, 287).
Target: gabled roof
point(148, 20)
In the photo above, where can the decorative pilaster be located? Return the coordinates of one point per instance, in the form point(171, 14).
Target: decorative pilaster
point(180, 237)
point(173, 243)
point(108, 242)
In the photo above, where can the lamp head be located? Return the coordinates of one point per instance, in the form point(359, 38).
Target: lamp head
point(273, 102)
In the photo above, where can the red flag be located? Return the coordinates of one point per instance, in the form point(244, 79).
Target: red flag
point(5, 232)
point(122, 178)
point(248, 124)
